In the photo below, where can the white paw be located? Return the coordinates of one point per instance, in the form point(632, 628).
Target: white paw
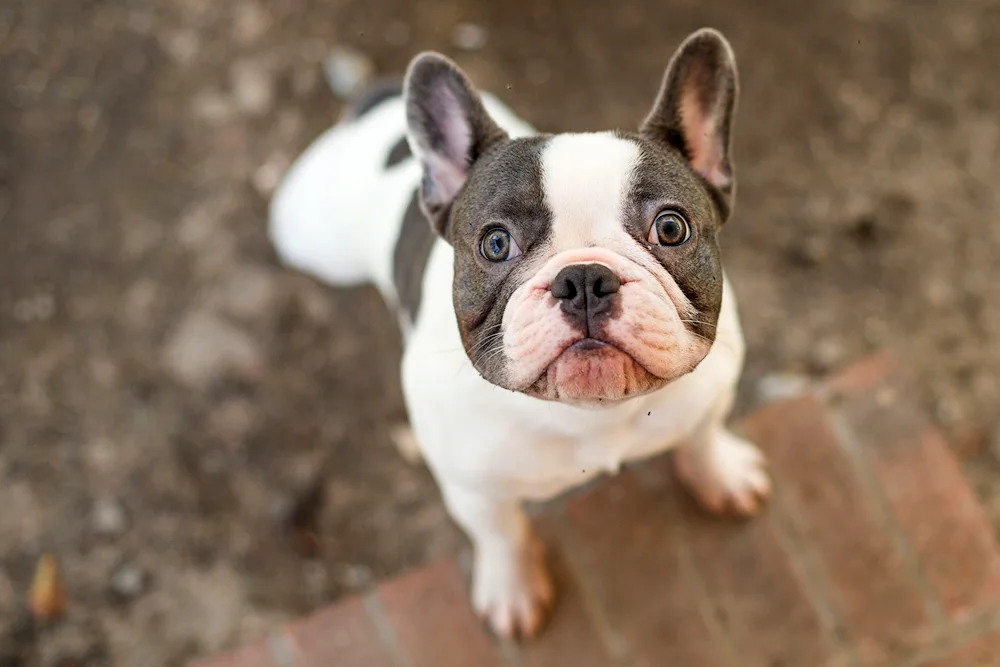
point(513, 591)
point(730, 475)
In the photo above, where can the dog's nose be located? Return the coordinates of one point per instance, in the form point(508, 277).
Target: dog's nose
point(585, 292)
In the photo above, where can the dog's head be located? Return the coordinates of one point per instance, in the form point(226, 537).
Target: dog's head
point(586, 265)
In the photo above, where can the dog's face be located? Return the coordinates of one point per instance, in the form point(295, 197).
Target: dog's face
point(586, 265)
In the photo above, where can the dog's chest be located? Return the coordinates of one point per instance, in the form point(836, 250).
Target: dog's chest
point(568, 452)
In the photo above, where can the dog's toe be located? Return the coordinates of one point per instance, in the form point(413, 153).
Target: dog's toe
point(514, 594)
point(730, 476)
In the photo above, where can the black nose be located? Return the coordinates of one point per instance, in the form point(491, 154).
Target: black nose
point(586, 293)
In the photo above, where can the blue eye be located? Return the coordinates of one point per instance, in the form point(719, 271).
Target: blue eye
point(498, 246)
point(669, 229)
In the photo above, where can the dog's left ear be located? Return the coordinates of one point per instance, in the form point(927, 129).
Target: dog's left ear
point(694, 110)
point(448, 129)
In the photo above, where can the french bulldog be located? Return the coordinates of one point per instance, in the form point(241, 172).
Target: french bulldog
point(562, 298)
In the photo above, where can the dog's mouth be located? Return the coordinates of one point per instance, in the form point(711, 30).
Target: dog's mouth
point(587, 344)
point(592, 370)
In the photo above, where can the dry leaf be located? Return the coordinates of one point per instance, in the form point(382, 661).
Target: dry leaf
point(47, 598)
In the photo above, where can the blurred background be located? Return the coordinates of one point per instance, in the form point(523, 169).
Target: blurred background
point(202, 439)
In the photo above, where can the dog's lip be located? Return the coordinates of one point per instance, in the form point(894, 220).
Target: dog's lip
point(587, 344)
point(583, 346)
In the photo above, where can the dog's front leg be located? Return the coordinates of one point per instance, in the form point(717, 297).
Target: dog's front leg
point(511, 587)
point(722, 470)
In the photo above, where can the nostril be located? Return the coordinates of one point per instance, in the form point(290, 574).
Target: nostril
point(563, 289)
point(601, 288)
point(584, 286)
point(602, 281)
point(570, 283)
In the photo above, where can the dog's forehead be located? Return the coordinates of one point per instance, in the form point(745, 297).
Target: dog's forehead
point(586, 179)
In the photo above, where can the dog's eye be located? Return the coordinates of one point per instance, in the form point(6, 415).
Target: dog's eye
point(498, 246)
point(669, 229)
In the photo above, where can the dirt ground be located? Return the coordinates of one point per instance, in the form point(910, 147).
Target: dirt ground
point(203, 439)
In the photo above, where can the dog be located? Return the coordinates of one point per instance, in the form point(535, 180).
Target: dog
point(562, 298)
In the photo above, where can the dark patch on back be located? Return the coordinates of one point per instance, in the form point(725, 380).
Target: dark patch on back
point(410, 257)
point(374, 96)
point(400, 151)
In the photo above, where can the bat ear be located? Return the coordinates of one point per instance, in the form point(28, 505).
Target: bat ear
point(448, 130)
point(694, 110)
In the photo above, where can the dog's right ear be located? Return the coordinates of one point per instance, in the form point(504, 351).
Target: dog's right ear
point(694, 111)
point(448, 129)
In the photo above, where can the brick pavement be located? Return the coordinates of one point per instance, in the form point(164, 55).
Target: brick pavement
point(873, 553)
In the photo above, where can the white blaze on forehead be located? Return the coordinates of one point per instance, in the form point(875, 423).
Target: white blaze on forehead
point(585, 178)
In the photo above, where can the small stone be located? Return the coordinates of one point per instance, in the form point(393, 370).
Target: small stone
point(314, 302)
point(252, 87)
point(37, 81)
point(781, 386)
point(104, 372)
point(347, 71)
point(469, 37)
point(249, 292)
point(37, 308)
point(108, 517)
point(948, 410)
point(357, 577)
point(251, 23)
point(938, 291)
point(267, 176)
point(205, 347)
point(885, 396)
point(212, 106)
point(827, 354)
point(232, 420)
point(182, 46)
point(128, 582)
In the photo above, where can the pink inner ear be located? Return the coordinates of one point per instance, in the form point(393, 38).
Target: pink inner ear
point(450, 167)
point(701, 133)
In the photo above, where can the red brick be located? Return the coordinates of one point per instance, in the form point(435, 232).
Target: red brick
point(939, 513)
point(629, 543)
point(433, 620)
point(863, 375)
point(751, 581)
point(980, 652)
point(256, 654)
point(570, 639)
point(341, 635)
point(834, 515)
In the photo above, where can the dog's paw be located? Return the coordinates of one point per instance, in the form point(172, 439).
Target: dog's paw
point(513, 592)
point(729, 475)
